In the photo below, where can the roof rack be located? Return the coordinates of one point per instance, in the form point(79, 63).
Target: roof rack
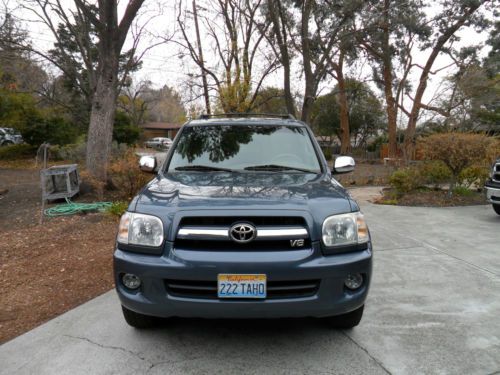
point(285, 116)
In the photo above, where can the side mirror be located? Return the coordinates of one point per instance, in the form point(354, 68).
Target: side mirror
point(147, 163)
point(343, 164)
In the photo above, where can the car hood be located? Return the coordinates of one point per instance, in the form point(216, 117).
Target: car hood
point(319, 195)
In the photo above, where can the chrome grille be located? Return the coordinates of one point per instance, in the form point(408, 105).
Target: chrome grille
point(214, 233)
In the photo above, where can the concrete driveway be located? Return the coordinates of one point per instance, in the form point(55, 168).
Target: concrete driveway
point(434, 307)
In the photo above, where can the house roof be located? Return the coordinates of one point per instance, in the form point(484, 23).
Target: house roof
point(161, 126)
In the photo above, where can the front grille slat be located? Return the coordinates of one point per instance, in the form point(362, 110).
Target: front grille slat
point(229, 220)
point(275, 289)
point(303, 287)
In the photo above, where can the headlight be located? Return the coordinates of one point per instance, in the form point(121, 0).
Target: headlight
point(140, 229)
point(345, 229)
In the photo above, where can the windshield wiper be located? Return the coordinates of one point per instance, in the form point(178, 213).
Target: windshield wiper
point(207, 168)
point(276, 167)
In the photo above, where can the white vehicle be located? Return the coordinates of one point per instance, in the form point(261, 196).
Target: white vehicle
point(9, 136)
point(159, 142)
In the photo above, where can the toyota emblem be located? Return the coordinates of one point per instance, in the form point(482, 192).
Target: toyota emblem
point(242, 232)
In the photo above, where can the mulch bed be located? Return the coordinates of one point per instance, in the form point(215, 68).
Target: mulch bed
point(431, 198)
point(46, 270)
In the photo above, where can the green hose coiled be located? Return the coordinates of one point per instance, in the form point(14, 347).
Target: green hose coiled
point(71, 208)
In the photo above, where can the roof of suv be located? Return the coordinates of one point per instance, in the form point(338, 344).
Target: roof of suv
point(246, 121)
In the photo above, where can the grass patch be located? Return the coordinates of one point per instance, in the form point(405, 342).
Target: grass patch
point(117, 208)
point(463, 191)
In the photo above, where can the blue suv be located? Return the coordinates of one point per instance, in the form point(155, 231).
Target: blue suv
point(243, 220)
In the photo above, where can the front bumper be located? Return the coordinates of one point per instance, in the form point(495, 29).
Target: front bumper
point(331, 298)
point(492, 192)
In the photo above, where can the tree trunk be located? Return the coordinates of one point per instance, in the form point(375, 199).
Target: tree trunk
point(102, 116)
point(202, 62)
point(280, 32)
point(309, 92)
point(387, 74)
point(345, 136)
point(391, 112)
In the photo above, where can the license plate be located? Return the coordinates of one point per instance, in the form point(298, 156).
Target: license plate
point(241, 286)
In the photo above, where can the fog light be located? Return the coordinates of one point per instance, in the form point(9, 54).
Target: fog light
point(131, 281)
point(353, 282)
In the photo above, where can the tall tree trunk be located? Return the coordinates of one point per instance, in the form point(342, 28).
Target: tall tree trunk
point(102, 116)
point(387, 76)
point(279, 30)
point(309, 91)
point(202, 62)
point(391, 111)
point(345, 136)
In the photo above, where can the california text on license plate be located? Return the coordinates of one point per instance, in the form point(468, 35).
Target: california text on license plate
point(241, 286)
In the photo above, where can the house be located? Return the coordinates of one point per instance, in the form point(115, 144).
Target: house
point(159, 129)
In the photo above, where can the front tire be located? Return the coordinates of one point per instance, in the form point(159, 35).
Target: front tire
point(496, 208)
point(346, 321)
point(137, 320)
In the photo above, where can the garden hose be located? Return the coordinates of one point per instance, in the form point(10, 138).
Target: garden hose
point(71, 208)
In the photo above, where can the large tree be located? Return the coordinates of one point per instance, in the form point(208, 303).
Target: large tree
point(235, 65)
point(19, 69)
point(365, 114)
point(387, 31)
point(452, 17)
point(84, 21)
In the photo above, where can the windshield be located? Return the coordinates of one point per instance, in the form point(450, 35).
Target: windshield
point(242, 147)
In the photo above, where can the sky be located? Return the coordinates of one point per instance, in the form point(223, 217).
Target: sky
point(163, 66)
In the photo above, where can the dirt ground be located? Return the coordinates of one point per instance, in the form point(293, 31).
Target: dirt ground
point(47, 269)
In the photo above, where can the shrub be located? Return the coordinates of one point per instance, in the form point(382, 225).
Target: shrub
point(126, 176)
point(405, 180)
point(124, 131)
point(74, 152)
point(434, 172)
point(473, 175)
point(457, 151)
point(117, 208)
point(54, 130)
point(14, 152)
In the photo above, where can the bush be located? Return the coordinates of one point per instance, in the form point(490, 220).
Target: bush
point(126, 176)
point(14, 152)
point(405, 180)
point(54, 130)
point(473, 175)
point(434, 173)
point(457, 151)
point(124, 131)
point(74, 152)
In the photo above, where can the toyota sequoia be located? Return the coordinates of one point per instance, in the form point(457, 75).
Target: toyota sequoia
point(243, 219)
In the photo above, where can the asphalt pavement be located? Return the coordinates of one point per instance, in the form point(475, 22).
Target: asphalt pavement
point(434, 307)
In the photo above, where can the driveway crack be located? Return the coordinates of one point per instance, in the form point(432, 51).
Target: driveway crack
point(138, 355)
point(367, 353)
